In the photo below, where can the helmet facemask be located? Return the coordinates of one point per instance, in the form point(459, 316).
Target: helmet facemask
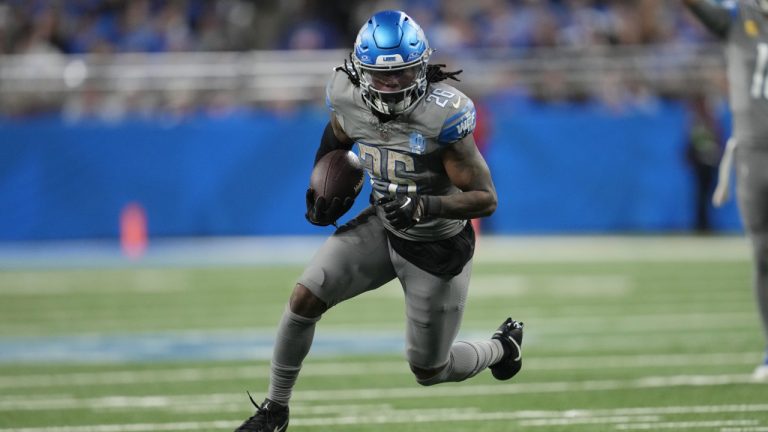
point(390, 56)
point(393, 89)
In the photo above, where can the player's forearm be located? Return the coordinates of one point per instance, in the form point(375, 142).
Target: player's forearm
point(330, 142)
point(466, 205)
point(716, 18)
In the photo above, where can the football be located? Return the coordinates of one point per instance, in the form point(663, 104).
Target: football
point(338, 173)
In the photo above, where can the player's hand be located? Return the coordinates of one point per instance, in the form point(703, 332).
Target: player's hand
point(317, 209)
point(403, 211)
point(320, 212)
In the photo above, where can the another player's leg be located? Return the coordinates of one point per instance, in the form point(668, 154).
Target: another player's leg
point(752, 193)
point(760, 246)
point(354, 260)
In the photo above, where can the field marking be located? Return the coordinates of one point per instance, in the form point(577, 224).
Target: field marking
point(623, 418)
point(62, 402)
point(687, 424)
point(616, 249)
point(526, 388)
point(745, 429)
point(139, 280)
point(189, 374)
point(561, 285)
point(297, 250)
point(337, 339)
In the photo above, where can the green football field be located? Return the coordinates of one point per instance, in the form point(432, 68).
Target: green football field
point(656, 334)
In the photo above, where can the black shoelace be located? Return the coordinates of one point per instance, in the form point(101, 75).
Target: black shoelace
point(260, 418)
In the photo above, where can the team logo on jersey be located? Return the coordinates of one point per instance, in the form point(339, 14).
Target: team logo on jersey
point(418, 144)
point(467, 124)
point(750, 27)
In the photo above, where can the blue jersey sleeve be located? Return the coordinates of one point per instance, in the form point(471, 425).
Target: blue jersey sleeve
point(459, 125)
point(732, 6)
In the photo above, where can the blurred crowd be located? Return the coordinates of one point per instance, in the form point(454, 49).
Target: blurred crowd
point(102, 27)
point(115, 26)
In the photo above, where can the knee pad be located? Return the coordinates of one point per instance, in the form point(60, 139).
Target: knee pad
point(438, 378)
point(440, 375)
point(306, 304)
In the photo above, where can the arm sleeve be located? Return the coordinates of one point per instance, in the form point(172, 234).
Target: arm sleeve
point(715, 16)
point(329, 142)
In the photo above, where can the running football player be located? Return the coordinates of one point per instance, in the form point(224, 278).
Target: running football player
point(414, 136)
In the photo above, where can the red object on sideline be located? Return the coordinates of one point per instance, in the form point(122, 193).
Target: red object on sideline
point(133, 231)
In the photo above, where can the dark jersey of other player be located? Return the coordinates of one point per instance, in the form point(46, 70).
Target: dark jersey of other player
point(747, 52)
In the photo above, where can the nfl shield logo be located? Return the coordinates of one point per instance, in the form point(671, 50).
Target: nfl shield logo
point(418, 145)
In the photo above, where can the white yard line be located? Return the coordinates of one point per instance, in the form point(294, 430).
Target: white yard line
point(505, 249)
point(686, 424)
point(191, 374)
point(623, 418)
point(64, 402)
point(299, 250)
point(745, 429)
point(594, 332)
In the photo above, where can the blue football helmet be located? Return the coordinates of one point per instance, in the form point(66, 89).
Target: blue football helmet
point(391, 55)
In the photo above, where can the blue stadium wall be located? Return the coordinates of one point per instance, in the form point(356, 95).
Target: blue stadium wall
point(558, 169)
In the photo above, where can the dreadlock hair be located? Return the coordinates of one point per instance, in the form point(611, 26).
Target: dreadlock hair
point(435, 72)
point(349, 68)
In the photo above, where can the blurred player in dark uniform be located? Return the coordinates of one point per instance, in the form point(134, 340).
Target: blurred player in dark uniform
point(744, 27)
point(414, 135)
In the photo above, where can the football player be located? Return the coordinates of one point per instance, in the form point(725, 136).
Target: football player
point(743, 25)
point(414, 135)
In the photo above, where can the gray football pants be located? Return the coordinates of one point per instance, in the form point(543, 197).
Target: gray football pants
point(752, 192)
point(360, 259)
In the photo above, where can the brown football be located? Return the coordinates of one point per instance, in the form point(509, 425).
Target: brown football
point(338, 173)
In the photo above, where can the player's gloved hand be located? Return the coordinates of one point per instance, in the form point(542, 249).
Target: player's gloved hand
point(320, 212)
point(404, 211)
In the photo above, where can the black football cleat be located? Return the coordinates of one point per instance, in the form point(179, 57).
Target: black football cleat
point(510, 334)
point(269, 417)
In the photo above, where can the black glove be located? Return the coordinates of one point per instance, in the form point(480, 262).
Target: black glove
point(322, 213)
point(404, 211)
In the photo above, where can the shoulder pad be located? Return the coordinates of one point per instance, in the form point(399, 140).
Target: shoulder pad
point(338, 91)
point(459, 123)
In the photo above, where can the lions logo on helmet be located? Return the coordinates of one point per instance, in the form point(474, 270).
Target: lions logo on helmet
point(391, 55)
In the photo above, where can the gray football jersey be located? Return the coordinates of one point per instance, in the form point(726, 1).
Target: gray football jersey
point(404, 156)
point(747, 54)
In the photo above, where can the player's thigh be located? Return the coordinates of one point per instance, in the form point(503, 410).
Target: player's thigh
point(355, 259)
point(752, 189)
point(434, 310)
